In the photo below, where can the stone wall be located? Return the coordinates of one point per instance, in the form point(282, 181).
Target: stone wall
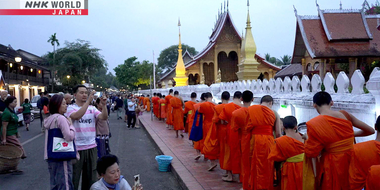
point(294, 97)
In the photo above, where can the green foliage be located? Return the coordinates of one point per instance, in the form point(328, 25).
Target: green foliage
point(168, 57)
point(285, 60)
point(53, 40)
point(133, 74)
point(345, 67)
point(79, 60)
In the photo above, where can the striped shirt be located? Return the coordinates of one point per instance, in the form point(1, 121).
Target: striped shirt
point(84, 127)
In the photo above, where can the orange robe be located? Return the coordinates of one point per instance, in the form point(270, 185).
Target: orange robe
point(198, 145)
point(162, 103)
point(155, 105)
point(242, 159)
point(147, 104)
point(177, 113)
point(141, 100)
point(189, 109)
point(373, 178)
point(366, 154)
point(232, 137)
point(260, 124)
point(222, 133)
point(211, 143)
point(334, 137)
point(291, 172)
point(169, 115)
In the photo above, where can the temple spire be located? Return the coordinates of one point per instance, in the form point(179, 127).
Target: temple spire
point(227, 5)
point(180, 71)
point(179, 31)
point(340, 5)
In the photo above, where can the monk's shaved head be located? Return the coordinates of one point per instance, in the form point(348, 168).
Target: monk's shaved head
point(193, 95)
point(203, 96)
point(266, 99)
point(237, 95)
point(176, 93)
point(247, 96)
point(377, 124)
point(226, 95)
point(289, 122)
point(322, 98)
point(208, 95)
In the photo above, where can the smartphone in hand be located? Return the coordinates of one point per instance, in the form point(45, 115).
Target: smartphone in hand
point(137, 180)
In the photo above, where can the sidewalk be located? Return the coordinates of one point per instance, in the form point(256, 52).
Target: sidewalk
point(193, 174)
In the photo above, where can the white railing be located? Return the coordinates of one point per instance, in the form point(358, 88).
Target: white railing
point(295, 97)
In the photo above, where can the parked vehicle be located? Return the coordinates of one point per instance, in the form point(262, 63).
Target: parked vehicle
point(34, 101)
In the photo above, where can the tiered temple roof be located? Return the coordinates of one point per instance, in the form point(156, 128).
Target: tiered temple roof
point(337, 33)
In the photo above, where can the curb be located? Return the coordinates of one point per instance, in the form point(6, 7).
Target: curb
point(186, 179)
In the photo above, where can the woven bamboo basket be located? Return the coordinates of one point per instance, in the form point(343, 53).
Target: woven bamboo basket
point(9, 157)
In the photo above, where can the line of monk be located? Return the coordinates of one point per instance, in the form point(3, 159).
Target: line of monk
point(267, 153)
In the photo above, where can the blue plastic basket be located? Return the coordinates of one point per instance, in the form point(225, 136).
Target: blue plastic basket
point(164, 162)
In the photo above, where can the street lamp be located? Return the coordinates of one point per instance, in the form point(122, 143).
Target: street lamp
point(68, 76)
point(21, 67)
point(31, 70)
point(18, 59)
point(10, 65)
point(83, 81)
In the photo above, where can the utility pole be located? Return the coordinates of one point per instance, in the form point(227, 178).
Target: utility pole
point(150, 87)
point(154, 73)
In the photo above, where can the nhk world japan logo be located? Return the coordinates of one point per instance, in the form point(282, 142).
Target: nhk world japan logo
point(50, 7)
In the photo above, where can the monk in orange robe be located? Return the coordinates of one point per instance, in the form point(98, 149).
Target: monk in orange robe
point(290, 150)
point(373, 178)
point(211, 144)
point(141, 100)
point(147, 103)
point(177, 112)
point(221, 128)
point(232, 136)
point(198, 145)
point(155, 104)
point(169, 115)
point(162, 103)
point(263, 121)
point(189, 109)
point(333, 135)
point(239, 123)
point(366, 154)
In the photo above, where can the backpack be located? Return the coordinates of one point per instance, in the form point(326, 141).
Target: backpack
point(39, 104)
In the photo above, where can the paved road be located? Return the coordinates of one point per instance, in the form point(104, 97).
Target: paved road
point(135, 150)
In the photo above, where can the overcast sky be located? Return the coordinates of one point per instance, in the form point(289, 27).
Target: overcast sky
point(126, 28)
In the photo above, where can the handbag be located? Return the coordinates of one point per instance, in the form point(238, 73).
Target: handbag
point(58, 149)
point(196, 133)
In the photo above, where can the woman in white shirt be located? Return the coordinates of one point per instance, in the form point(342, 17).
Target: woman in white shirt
point(108, 168)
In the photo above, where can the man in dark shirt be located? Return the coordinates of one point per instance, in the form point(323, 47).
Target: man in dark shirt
point(44, 102)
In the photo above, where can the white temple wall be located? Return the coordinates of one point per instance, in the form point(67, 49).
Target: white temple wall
point(294, 97)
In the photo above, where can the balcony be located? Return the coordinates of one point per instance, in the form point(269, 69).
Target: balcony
point(18, 78)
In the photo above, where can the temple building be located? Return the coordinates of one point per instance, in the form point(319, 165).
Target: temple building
point(337, 40)
point(227, 57)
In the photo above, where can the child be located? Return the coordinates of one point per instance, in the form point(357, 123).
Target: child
point(289, 149)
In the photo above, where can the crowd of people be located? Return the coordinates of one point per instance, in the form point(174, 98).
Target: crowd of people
point(263, 151)
point(77, 136)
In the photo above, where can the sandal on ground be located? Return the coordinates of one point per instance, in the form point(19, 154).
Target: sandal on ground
point(182, 135)
point(212, 167)
point(226, 180)
point(16, 172)
point(197, 158)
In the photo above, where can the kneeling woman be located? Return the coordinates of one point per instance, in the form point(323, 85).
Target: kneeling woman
point(108, 169)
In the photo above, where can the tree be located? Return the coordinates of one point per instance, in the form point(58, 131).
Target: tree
point(168, 57)
point(77, 59)
point(285, 60)
point(54, 41)
point(133, 74)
